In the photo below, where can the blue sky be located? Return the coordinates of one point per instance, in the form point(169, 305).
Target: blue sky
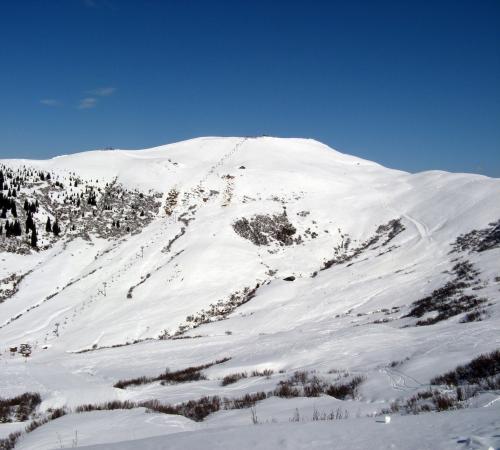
point(413, 85)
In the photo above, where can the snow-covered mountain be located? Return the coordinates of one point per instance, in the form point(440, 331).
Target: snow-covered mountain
point(326, 287)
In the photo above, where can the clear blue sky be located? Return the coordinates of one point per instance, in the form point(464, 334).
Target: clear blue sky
point(413, 85)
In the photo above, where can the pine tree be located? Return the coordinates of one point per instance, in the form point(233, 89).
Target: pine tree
point(26, 205)
point(92, 199)
point(55, 228)
point(48, 225)
point(16, 229)
point(34, 237)
point(13, 210)
point(29, 223)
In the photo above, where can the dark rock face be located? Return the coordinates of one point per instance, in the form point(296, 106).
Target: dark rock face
point(79, 207)
point(264, 229)
point(450, 300)
point(383, 235)
point(479, 240)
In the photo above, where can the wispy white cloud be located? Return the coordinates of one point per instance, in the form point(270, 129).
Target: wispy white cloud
point(50, 102)
point(103, 91)
point(94, 97)
point(87, 103)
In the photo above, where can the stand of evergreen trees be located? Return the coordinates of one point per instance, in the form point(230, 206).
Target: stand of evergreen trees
point(12, 229)
point(52, 228)
point(7, 204)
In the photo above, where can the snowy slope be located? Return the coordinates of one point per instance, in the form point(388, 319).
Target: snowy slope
point(100, 307)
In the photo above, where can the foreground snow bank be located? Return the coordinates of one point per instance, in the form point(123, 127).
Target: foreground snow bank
point(102, 427)
point(464, 429)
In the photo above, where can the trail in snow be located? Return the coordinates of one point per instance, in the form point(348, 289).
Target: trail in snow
point(422, 229)
point(222, 160)
point(400, 381)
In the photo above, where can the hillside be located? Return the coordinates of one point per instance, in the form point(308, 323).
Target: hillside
point(329, 288)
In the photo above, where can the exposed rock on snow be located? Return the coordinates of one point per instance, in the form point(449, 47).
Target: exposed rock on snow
point(263, 229)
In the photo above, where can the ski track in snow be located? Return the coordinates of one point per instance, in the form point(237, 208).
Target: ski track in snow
point(422, 229)
point(400, 381)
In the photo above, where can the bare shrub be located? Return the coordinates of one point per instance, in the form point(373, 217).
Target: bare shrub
point(199, 409)
point(286, 389)
point(19, 407)
point(262, 373)
point(217, 311)
point(233, 378)
point(183, 376)
point(180, 376)
point(303, 384)
point(34, 424)
point(9, 442)
point(193, 409)
point(332, 415)
point(343, 390)
point(474, 316)
point(56, 413)
point(314, 388)
point(483, 371)
point(425, 401)
point(299, 377)
point(255, 419)
point(296, 416)
point(111, 405)
point(247, 401)
point(444, 402)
